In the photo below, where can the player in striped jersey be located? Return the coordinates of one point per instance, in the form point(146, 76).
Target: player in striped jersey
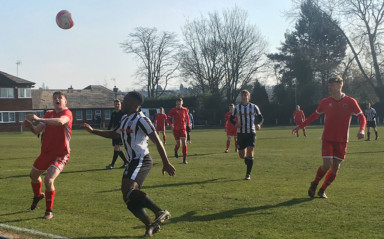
point(249, 119)
point(134, 130)
point(338, 109)
point(370, 114)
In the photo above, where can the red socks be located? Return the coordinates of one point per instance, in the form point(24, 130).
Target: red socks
point(328, 179)
point(49, 197)
point(36, 188)
point(185, 152)
point(228, 143)
point(319, 175)
point(164, 138)
point(177, 148)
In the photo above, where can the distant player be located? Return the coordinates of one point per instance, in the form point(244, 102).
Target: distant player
point(249, 119)
point(57, 127)
point(160, 121)
point(370, 114)
point(299, 117)
point(116, 143)
point(134, 129)
point(230, 128)
point(338, 110)
point(177, 117)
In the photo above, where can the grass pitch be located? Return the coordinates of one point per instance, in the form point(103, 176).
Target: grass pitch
point(207, 198)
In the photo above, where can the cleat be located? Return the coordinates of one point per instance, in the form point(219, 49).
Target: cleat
point(185, 161)
point(109, 166)
point(321, 193)
point(124, 165)
point(161, 217)
point(312, 190)
point(236, 150)
point(176, 154)
point(48, 215)
point(36, 201)
point(247, 177)
point(165, 143)
point(152, 229)
point(226, 151)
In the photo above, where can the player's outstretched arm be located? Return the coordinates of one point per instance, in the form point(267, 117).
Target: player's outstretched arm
point(103, 133)
point(167, 166)
point(34, 129)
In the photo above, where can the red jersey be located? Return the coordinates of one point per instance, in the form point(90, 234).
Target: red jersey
point(178, 117)
point(298, 116)
point(337, 118)
point(227, 124)
point(56, 138)
point(160, 120)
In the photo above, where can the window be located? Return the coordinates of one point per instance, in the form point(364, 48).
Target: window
point(79, 115)
point(22, 116)
point(6, 93)
point(107, 114)
point(88, 115)
point(7, 117)
point(98, 113)
point(24, 92)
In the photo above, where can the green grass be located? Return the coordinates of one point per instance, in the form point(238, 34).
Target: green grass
point(207, 198)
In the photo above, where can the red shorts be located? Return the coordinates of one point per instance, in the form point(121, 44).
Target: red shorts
point(179, 133)
point(45, 160)
point(333, 150)
point(232, 132)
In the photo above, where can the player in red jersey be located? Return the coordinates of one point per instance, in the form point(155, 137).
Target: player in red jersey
point(299, 117)
point(160, 121)
point(176, 118)
point(57, 127)
point(338, 110)
point(230, 128)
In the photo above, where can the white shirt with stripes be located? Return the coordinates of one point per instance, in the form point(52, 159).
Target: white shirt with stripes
point(246, 115)
point(134, 130)
point(370, 114)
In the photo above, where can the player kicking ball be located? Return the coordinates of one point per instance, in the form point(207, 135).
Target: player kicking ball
point(338, 109)
point(134, 130)
point(57, 127)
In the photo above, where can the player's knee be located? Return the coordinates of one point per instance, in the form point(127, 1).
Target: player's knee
point(48, 182)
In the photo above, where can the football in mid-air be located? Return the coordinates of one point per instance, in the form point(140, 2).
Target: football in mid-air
point(64, 19)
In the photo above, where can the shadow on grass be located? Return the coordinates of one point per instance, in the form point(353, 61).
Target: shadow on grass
point(177, 184)
point(190, 216)
point(65, 172)
point(109, 237)
point(367, 152)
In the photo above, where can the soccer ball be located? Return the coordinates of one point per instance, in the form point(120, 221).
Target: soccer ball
point(64, 19)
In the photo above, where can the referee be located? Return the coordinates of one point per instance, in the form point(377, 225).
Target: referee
point(370, 114)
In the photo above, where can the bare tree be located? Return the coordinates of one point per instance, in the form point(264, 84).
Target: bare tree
point(222, 53)
point(157, 53)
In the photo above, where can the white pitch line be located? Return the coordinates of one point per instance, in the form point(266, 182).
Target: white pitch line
point(31, 231)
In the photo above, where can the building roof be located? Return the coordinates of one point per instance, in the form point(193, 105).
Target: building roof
point(11, 81)
point(91, 97)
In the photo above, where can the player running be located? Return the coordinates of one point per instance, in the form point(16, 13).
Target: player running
point(247, 113)
point(338, 110)
point(160, 121)
point(116, 143)
point(230, 128)
point(370, 115)
point(177, 117)
point(299, 117)
point(135, 128)
point(57, 127)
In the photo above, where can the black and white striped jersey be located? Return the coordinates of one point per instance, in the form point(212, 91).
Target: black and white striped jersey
point(246, 116)
point(134, 130)
point(370, 114)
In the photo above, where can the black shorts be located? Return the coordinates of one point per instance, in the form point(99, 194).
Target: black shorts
point(117, 142)
point(371, 124)
point(138, 169)
point(245, 139)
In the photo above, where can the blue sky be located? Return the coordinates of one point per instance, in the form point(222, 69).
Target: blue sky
point(90, 52)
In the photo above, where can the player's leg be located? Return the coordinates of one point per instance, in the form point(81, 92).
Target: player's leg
point(121, 154)
point(248, 160)
point(176, 134)
point(115, 155)
point(376, 133)
point(52, 173)
point(235, 138)
point(164, 136)
point(36, 184)
point(184, 147)
point(305, 135)
point(368, 133)
point(228, 143)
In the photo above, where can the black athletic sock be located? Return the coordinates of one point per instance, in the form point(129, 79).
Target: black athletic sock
point(249, 163)
point(376, 134)
point(369, 134)
point(115, 155)
point(122, 156)
point(136, 204)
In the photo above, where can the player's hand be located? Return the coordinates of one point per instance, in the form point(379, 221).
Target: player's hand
point(361, 134)
point(87, 127)
point(237, 125)
point(172, 126)
point(258, 127)
point(295, 131)
point(169, 169)
point(32, 117)
point(28, 124)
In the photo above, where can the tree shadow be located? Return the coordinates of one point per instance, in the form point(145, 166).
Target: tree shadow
point(191, 217)
point(65, 172)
